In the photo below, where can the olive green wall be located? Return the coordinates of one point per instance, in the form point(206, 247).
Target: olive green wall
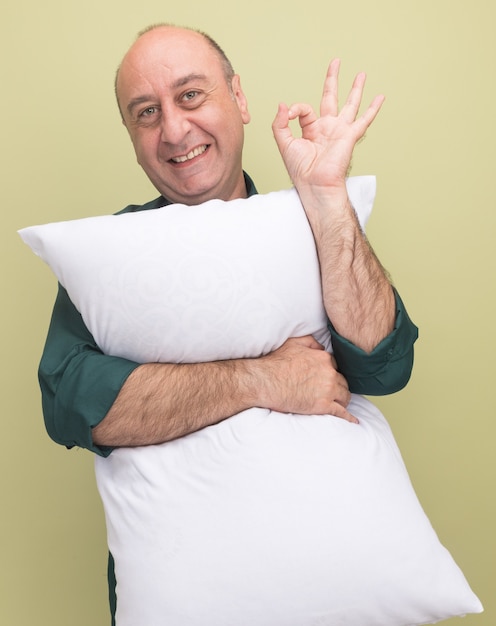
point(64, 154)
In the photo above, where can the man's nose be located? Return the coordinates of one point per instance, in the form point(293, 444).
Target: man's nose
point(175, 125)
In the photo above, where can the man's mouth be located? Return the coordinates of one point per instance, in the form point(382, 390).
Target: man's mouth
point(191, 155)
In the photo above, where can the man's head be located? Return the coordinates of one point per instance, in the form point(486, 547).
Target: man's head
point(184, 109)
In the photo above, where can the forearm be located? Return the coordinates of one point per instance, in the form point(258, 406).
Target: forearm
point(160, 402)
point(358, 296)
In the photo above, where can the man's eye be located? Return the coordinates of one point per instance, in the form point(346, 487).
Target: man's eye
point(189, 95)
point(148, 111)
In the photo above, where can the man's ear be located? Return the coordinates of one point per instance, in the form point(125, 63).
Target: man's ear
point(240, 98)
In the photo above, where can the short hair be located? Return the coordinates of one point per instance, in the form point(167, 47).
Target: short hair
point(226, 63)
point(227, 67)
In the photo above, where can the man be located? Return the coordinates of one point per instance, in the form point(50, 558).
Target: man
point(185, 110)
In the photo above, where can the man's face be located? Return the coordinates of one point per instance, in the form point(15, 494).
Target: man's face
point(185, 122)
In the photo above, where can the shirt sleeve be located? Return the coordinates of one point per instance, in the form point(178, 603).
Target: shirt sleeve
point(388, 367)
point(78, 382)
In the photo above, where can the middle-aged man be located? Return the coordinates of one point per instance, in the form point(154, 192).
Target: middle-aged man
point(185, 112)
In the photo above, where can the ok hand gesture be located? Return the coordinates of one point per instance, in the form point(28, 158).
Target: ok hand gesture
point(322, 155)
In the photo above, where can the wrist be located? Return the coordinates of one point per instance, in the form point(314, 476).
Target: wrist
point(329, 198)
point(330, 213)
point(254, 378)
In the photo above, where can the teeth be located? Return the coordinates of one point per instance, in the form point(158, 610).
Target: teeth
point(191, 155)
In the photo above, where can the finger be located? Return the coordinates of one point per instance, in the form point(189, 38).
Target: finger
point(350, 110)
point(304, 112)
point(343, 395)
point(375, 106)
point(329, 104)
point(281, 119)
point(280, 127)
point(364, 121)
point(339, 411)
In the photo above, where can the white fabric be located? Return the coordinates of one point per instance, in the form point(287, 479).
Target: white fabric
point(264, 519)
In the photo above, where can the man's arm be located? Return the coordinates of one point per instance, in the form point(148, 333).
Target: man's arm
point(358, 296)
point(99, 402)
point(160, 402)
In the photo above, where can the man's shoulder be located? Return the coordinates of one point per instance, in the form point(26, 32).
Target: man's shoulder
point(153, 204)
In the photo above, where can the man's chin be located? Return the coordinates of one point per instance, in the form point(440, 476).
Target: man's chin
point(196, 191)
point(191, 195)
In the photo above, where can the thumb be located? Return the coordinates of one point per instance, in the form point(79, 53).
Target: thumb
point(280, 127)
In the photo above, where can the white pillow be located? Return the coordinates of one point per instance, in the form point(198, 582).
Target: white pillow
point(264, 519)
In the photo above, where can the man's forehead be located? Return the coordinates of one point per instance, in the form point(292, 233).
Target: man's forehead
point(170, 46)
point(176, 64)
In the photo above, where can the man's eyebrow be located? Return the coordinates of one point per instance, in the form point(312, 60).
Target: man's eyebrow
point(184, 80)
point(180, 82)
point(136, 101)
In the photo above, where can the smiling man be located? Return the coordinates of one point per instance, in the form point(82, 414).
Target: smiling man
point(185, 112)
